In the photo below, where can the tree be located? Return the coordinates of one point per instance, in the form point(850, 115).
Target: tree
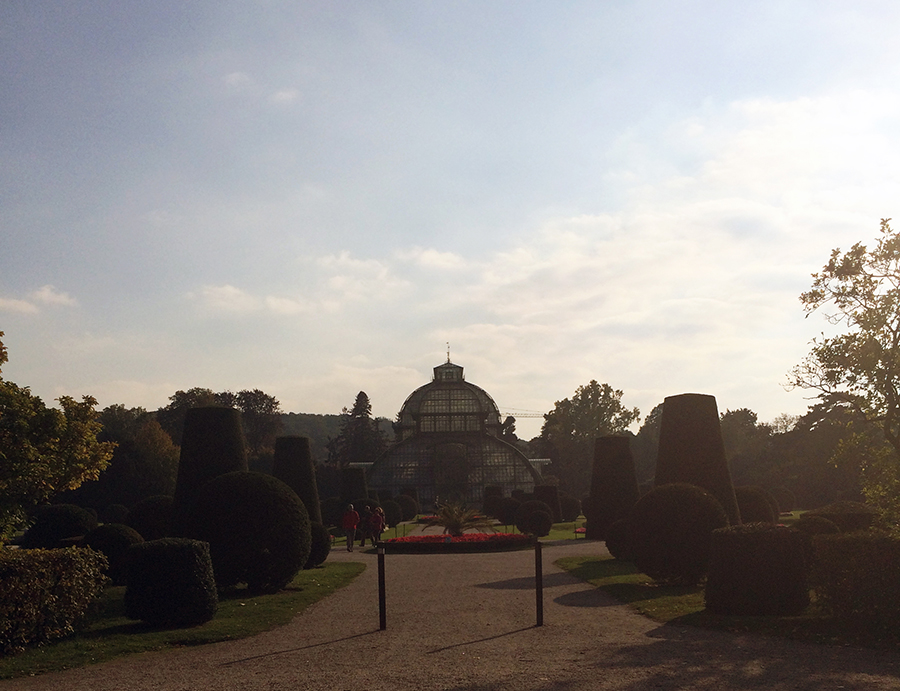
point(43, 451)
point(859, 368)
point(569, 431)
point(360, 439)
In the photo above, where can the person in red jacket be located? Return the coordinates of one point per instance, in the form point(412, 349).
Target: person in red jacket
point(349, 521)
point(376, 524)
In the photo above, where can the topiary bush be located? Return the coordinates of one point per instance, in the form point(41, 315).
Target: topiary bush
point(393, 514)
point(809, 527)
point(408, 505)
point(492, 504)
point(756, 505)
point(785, 498)
point(114, 513)
point(857, 576)
point(614, 487)
point(113, 540)
point(171, 583)
point(549, 494)
point(509, 507)
point(44, 594)
point(619, 542)
point(55, 523)
point(353, 484)
point(757, 569)
point(671, 529)
point(524, 511)
point(152, 517)
point(332, 510)
point(319, 545)
point(293, 465)
point(537, 523)
point(847, 515)
point(569, 506)
point(257, 528)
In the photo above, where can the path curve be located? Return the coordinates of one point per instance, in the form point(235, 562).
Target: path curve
point(466, 621)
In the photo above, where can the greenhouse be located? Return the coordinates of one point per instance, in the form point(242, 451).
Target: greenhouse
point(448, 445)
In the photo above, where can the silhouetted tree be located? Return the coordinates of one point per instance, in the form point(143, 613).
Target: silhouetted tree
point(360, 440)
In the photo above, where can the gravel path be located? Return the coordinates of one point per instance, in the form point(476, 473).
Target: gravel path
point(467, 622)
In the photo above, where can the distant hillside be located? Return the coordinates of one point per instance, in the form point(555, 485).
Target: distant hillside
point(321, 428)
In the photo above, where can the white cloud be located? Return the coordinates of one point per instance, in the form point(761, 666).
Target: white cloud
point(227, 299)
point(285, 96)
point(237, 80)
point(49, 295)
point(19, 306)
point(430, 258)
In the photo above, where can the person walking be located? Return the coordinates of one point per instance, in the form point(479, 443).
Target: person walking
point(349, 521)
point(376, 524)
point(364, 524)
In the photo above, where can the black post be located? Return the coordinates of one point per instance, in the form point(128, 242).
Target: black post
point(382, 605)
point(539, 583)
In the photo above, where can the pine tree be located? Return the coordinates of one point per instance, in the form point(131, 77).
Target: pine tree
point(360, 440)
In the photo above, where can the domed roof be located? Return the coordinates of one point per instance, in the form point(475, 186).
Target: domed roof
point(448, 404)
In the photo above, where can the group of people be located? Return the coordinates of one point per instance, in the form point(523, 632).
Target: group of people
point(368, 525)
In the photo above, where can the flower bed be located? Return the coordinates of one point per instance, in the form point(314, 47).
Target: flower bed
point(469, 542)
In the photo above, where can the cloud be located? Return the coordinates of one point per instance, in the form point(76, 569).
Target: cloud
point(430, 258)
point(285, 96)
point(19, 306)
point(227, 299)
point(49, 295)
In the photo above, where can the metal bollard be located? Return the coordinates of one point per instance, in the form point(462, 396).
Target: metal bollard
point(382, 604)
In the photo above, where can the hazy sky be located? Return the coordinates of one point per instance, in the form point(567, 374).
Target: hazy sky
point(313, 198)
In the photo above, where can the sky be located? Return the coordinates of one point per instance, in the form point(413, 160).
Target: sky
point(315, 198)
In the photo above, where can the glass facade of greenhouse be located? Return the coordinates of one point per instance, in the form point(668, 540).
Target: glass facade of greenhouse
point(448, 445)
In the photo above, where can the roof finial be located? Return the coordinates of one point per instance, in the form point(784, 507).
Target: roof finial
point(448, 351)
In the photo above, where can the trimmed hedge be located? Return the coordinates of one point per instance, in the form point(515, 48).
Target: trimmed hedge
point(294, 466)
point(757, 569)
point(171, 583)
point(113, 539)
point(549, 494)
point(257, 528)
point(319, 546)
point(569, 506)
point(523, 516)
point(393, 514)
point(409, 505)
point(619, 542)
point(114, 513)
point(847, 515)
point(671, 528)
point(44, 594)
point(152, 517)
point(857, 577)
point(756, 505)
point(58, 522)
point(614, 487)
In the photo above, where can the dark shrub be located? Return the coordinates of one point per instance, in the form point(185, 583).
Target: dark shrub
point(569, 506)
point(518, 495)
point(549, 494)
point(319, 546)
point(492, 505)
point(152, 517)
point(257, 529)
point(171, 583)
point(755, 505)
point(409, 505)
point(757, 569)
point(809, 527)
point(525, 509)
point(537, 523)
point(614, 487)
point(393, 514)
point(412, 493)
point(332, 510)
point(619, 540)
point(857, 576)
point(114, 513)
point(691, 449)
point(56, 523)
point(847, 515)
point(353, 484)
point(113, 539)
point(785, 498)
point(493, 491)
point(293, 465)
point(44, 594)
point(671, 529)
point(509, 507)
point(212, 444)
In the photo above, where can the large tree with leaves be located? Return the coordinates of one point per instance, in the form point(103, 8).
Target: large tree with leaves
point(569, 431)
point(360, 440)
point(43, 451)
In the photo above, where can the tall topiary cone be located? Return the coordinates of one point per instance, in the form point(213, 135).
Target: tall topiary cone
point(691, 449)
point(212, 444)
point(614, 487)
point(293, 465)
point(353, 484)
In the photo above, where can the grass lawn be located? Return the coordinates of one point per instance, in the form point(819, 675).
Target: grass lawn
point(685, 606)
point(110, 634)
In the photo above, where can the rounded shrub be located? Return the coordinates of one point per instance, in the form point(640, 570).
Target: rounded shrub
point(171, 583)
point(809, 527)
point(524, 511)
point(152, 517)
point(257, 528)
point(493, 491)
point(549, 494)
point(332, 510)
point(757, 569)
point(113, 539)
point(785, 498)
point(849, 516)
point(756, 505)
point(509, 507)
point(393, 514)
point(619, 540)
point(319, 546)
point(569, 506)
point(671, 528)
point(491, 506)
point(408, 505)
point(55, 523)
point(114, 513)
point(537, 523)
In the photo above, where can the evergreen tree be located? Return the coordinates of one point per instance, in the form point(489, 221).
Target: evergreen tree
point(360, 439)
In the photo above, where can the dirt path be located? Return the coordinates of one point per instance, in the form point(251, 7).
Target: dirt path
point(467, 622)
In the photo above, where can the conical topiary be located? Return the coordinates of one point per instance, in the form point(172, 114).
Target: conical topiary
point(691, 449)
point(614, 487)
point(293, 465)
point(212, 444)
